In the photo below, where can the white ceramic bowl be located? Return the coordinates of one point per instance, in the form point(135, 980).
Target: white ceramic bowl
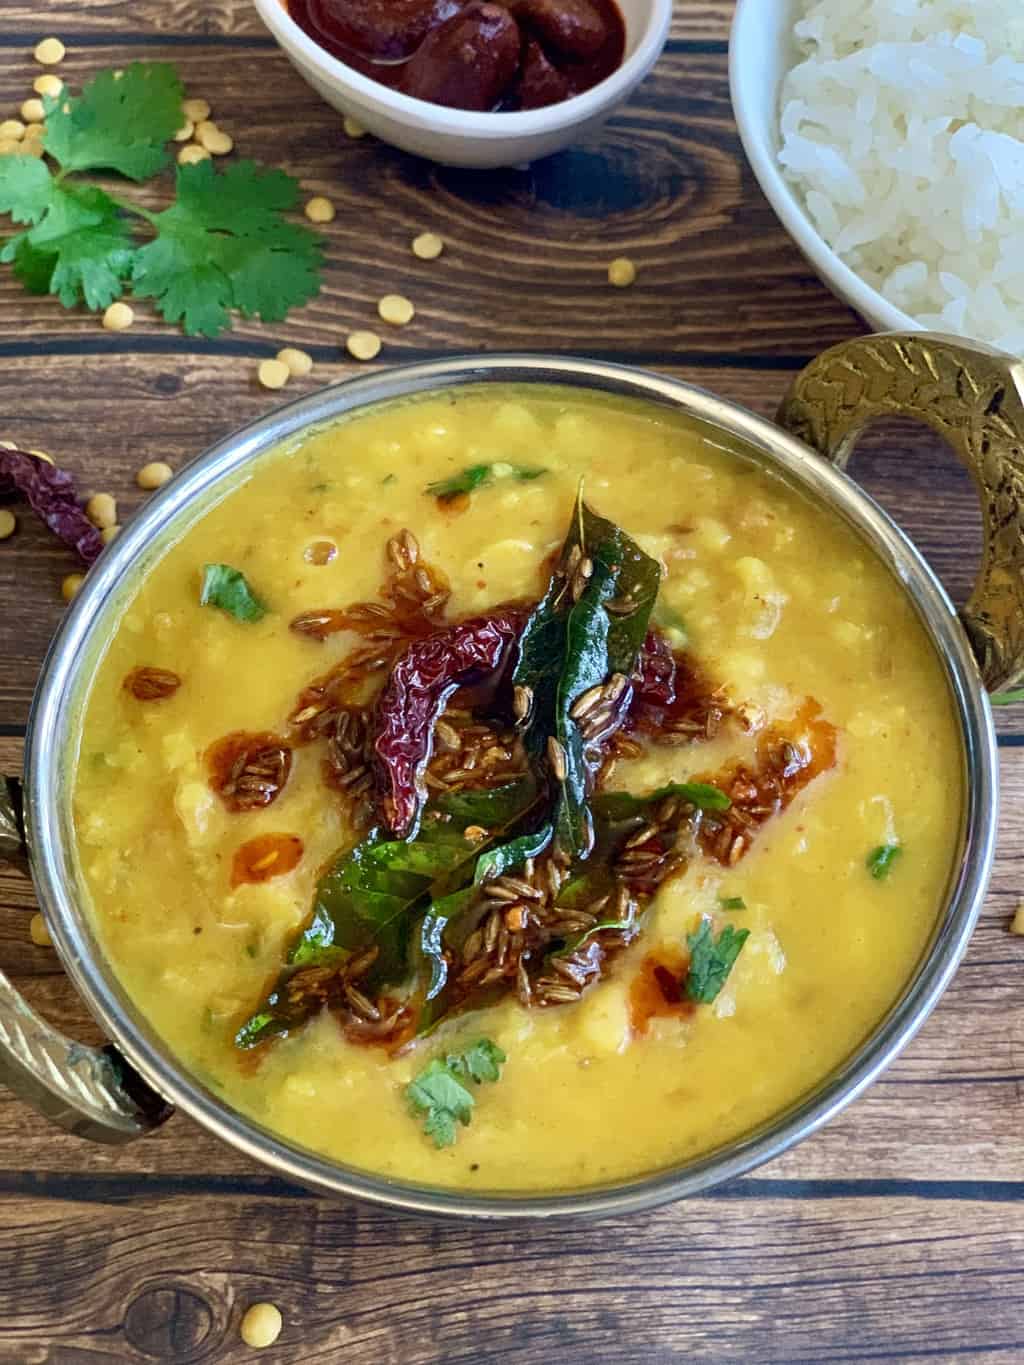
point(761, 51)
point(457, 137)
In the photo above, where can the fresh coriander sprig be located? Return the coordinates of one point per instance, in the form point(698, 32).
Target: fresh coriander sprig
point(440, 1091)
point(223, 245)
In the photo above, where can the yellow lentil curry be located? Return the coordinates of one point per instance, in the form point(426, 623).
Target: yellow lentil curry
point(478, 832)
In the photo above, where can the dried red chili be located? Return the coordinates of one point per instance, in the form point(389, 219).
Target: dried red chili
point(420, 683)
point(50, 492)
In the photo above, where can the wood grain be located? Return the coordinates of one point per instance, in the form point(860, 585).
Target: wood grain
point(845, 1278)
point(89, 20)
point(527, 252)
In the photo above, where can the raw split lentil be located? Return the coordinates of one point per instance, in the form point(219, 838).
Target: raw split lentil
point(32, 110)
point(8, 524)
point(48, 84)
point(117, 317)
point(396, 309)
point(189, 155)
point(273, 374)
point(621, 272)
point(196, 110)
point(261, 1325)
point(39, 933)
point(363, 345)
point(153, 475)
point(427, 246)
point(299, 362)
point(352, 128)
point(70, 585)
point(101, 509)
point(49, 51)
point(320, 209)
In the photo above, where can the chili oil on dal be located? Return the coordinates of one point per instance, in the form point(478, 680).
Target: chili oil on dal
point(781, 602)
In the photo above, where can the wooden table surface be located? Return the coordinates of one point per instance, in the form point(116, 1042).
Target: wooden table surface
point(895, 1234)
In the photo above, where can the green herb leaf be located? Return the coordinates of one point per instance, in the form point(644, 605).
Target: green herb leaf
point(118, 123)
point(225, 245)
point(505, 857)
point(732, 902)
point(623, 805)
point(374, 894)
point(880, 860)
point(479, 476)
point(227, 588)
point(711, 960)
point(439, 1092)
point(78, 246)
point(1007, 698)
point(567, 648)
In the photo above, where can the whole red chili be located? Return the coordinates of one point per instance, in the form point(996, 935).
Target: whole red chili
point(421, 681)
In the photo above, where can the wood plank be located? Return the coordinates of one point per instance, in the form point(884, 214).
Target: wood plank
point(665, 183)
point(703, 22)
point(747, 1276)
point(949, 1105)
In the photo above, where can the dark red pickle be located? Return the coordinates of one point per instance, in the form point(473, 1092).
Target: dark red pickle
point(540, 83)
point(376, 30)
point(577, 29)
point(469, 62)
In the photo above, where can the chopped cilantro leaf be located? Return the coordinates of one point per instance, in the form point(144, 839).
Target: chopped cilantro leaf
point(880, 860)
point(478, 476)
point(438, 1092)
point(711, 960)
point(1007, 698)
point(732, 902)
point(227, 588)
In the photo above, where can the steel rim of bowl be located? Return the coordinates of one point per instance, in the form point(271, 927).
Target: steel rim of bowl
point(53, 718)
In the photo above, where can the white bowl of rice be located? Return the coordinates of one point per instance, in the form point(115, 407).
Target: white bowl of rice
point(888, 136)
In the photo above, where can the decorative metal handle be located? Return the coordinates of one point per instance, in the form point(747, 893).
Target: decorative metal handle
point(91, 1092)
point(972, 396)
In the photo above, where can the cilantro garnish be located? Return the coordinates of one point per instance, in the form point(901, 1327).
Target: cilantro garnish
point(711, 960)
point(222, 245)
point(227, 588)
point(439, 1092)
point(880, 860)
point(478, 476)
point(732, 902)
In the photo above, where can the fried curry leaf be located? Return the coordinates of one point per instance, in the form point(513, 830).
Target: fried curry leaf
point(372, 895)
point(623, 805)
point(569, 646)
point(479, 476)
point(881, 859)
point(227, 588)
point(440, 1092)
point(505, 857)
point(711, 960)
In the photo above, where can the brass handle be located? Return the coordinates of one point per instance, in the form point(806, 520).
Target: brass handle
point(971, 395)
point(91, 1092)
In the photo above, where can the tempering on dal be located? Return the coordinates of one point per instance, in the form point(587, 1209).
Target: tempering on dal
point(752, 938)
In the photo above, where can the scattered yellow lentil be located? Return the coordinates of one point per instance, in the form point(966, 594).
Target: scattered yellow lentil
point(12, 128)
point(273, 374)
point(8, 525)
point(32, 111)
point(427, 246)
point(196, 110)
point(352, 128)
point(101, 509)
point(621, 272)
point(108, 533)
point(298, 362)
point(48, 84)
point(153, 475)
point(1017, 923)
point(320, 210)
point(188, 156)
point(208, 135)
point(363, 345)
point(38, 932)
point(118, 316)
point(49, 52)
point(70, 585)
point(261, 1325)
point(395, 309)
point(185, 131)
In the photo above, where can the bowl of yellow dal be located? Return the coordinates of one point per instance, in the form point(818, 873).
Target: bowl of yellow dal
point(521, 786)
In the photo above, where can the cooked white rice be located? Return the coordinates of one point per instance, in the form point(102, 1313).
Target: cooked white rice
point(903, 130)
